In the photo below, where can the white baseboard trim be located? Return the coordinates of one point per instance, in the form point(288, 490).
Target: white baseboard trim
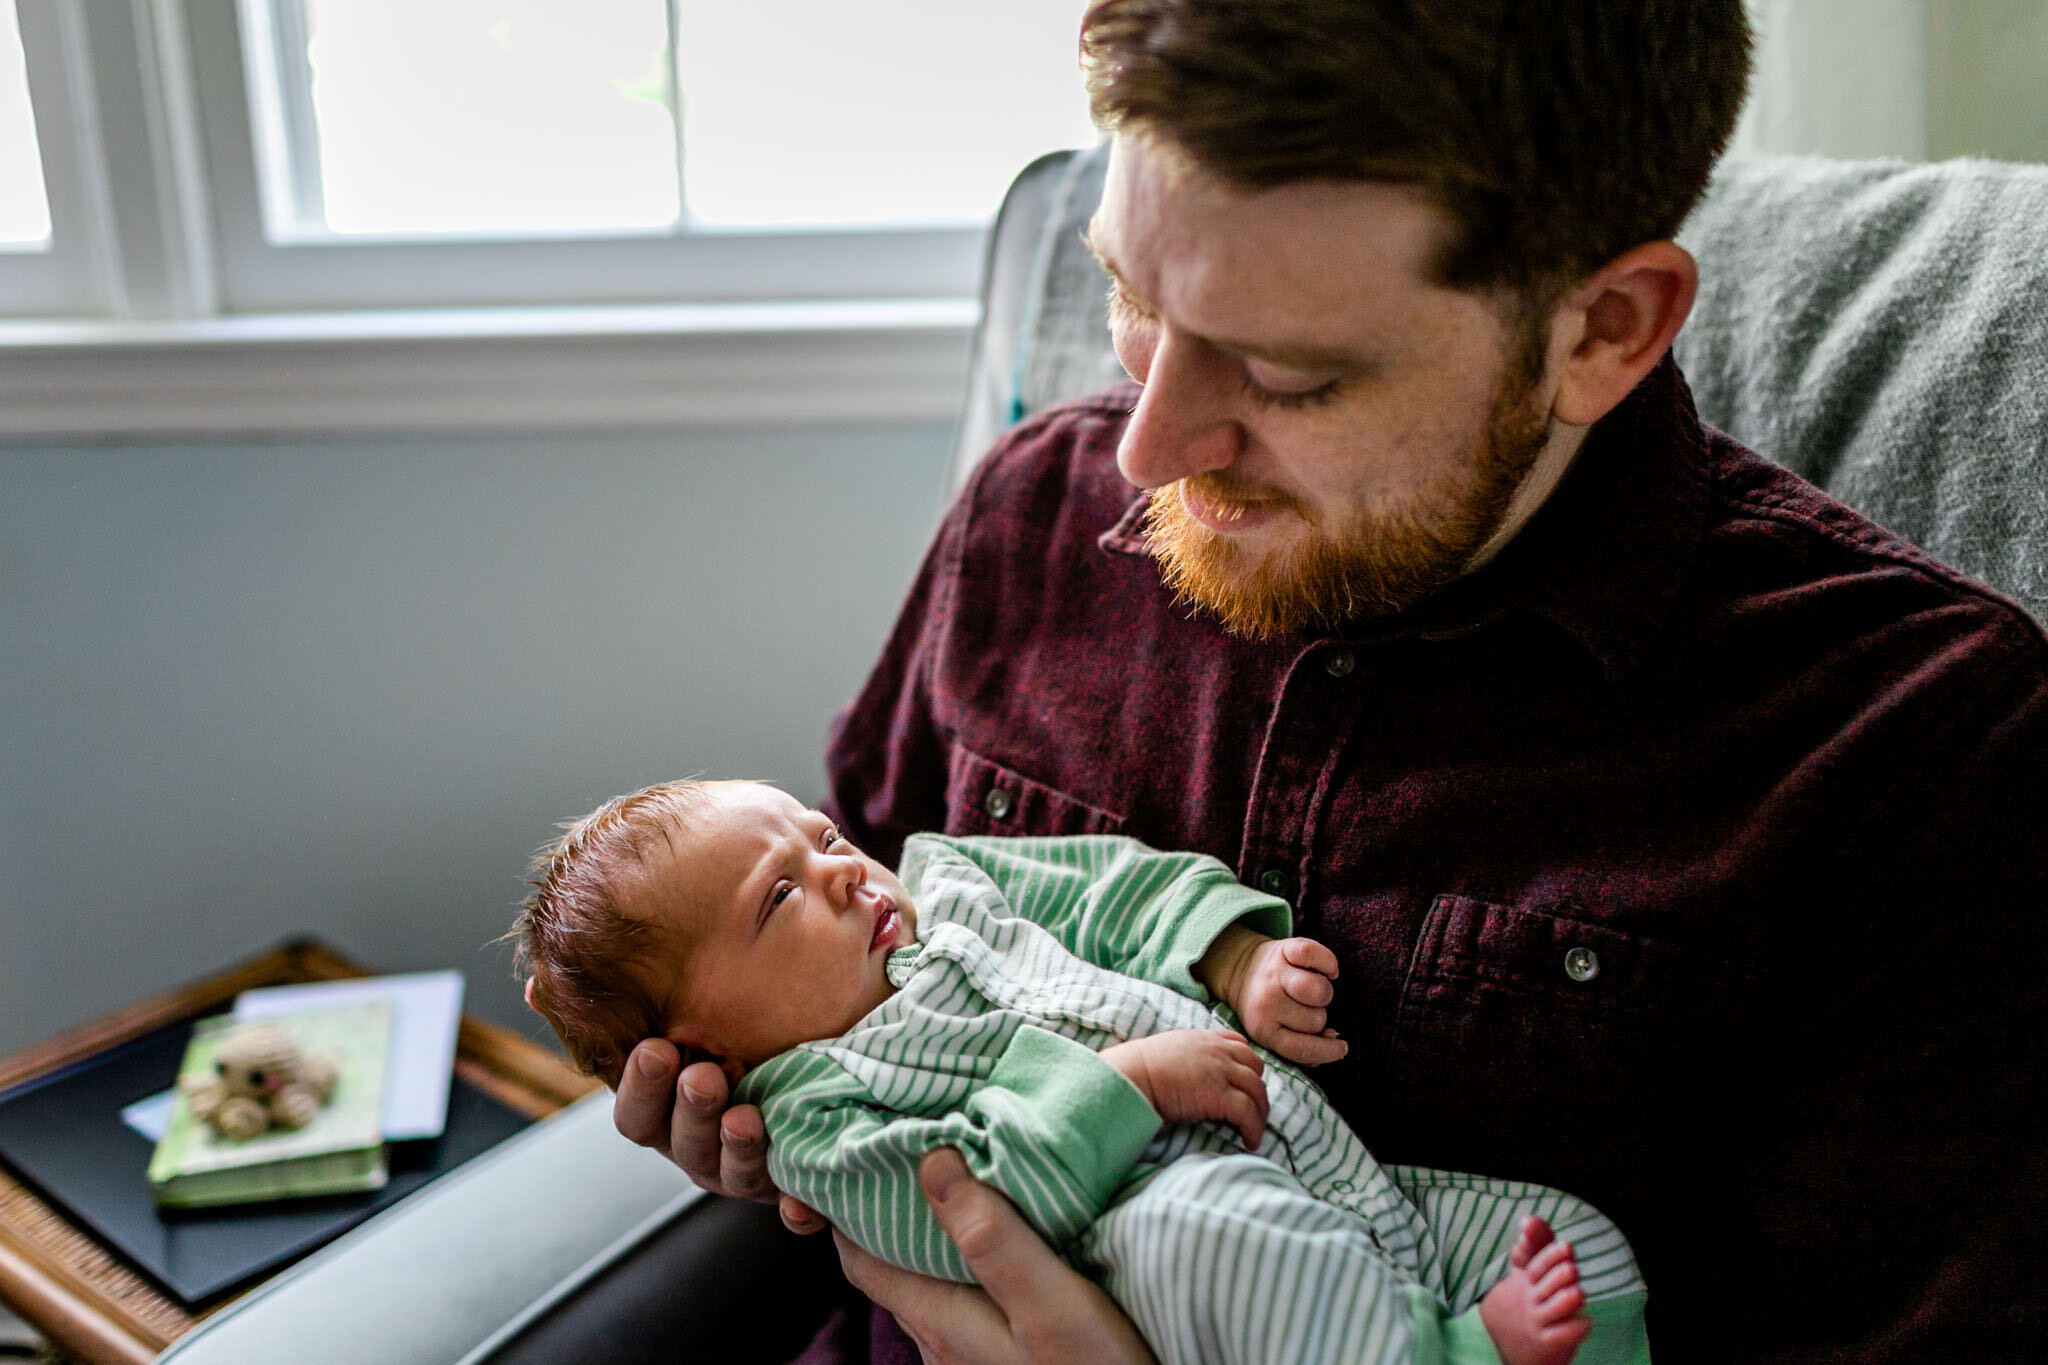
point(486, 369)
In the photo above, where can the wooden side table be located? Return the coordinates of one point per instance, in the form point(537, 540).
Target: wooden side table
point(85, 1299)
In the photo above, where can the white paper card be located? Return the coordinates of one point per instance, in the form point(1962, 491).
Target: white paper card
point(151, 1117)
point(427, 1009)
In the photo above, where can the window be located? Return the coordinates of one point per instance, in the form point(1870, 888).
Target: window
point(254, 156)
point(24, 201)
point(52, 220)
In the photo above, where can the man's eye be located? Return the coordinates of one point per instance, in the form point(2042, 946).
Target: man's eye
point(1289, 398)
point(1124, 310)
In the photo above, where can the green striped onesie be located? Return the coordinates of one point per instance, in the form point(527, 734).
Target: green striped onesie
point(1034, 954)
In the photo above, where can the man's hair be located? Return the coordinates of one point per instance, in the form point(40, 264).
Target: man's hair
point(577, 945)
point(1555, 135)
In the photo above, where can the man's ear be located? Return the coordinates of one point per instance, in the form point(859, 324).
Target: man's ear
point(1617, 325)
point(529, 996)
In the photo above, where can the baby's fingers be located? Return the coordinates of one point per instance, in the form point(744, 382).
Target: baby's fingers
point(1281, 1011)
point(1309, 955)
point(1309, 1049)
point(1245, 1105)
point(1306, 987)
point(1238, 1051)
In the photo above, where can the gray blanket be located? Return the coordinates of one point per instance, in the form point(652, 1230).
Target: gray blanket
point(1882, 328)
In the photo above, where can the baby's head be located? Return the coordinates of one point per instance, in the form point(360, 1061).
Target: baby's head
point(722, 916)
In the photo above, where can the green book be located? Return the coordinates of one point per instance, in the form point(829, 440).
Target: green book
point(340, 1151)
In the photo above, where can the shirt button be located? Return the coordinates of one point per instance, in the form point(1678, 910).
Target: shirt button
point(1274, 882)
point(1581, 964)
point(1340, 664)
point(997, 803)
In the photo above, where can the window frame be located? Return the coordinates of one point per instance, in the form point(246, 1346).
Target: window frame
point(69, 275)
point(693, 264)
point(160, 312)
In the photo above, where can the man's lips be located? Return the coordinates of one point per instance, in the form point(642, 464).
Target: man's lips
point(1227, 515)
point(887, 923)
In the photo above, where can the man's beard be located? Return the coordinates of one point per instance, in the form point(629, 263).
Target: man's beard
point(1377, 565)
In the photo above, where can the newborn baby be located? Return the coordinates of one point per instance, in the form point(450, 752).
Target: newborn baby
point(1070, 1014)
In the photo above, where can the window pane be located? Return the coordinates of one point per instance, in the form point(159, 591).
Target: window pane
point(828, 111)
point(24, 204)
point(465, 116)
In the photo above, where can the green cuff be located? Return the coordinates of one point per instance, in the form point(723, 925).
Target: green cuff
point(1225, 902)
point(1090, 1117)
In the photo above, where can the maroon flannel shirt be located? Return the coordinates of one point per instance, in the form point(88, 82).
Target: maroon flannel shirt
point(1692, 856)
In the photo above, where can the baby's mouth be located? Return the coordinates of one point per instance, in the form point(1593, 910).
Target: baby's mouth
point(887, 923)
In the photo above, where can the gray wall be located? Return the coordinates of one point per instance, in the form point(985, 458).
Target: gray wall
point(345, 688)
point(1919, 79)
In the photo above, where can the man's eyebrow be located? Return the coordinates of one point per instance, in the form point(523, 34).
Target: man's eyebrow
point(1116, 277)
point(1285, 356)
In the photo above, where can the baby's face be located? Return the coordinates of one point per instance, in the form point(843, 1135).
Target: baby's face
point(787, 925)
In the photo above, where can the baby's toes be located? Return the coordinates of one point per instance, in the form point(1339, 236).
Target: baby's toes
point(1562, 1338)
point(1536, 1235)
point(1560, 1306)
point(1559, 1279)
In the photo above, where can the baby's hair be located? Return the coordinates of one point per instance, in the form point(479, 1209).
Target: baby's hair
point(576, 944)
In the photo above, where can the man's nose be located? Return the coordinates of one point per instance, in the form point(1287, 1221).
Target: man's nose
point(1185, 422)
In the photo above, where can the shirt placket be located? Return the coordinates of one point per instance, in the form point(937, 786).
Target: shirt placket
point(1313, 714)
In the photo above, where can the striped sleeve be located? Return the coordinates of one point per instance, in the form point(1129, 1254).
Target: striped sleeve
point(1055, 1128)
point(1121, 905)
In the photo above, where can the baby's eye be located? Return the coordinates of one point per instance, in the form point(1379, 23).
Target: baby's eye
point(830, 838)
point(782, 893)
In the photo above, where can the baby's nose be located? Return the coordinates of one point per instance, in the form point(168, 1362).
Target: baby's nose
point(848, 876)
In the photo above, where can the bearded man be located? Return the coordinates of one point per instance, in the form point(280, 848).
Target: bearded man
point(1614, 762)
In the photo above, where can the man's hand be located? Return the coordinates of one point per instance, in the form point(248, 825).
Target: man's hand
point(1031, 1309)
point(1281, 988)
point(1193, 1074)
point(683, 1115)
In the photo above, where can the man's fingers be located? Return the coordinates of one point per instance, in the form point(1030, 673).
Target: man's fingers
point(948, 1321)
point(700, 1096)
point(1036, 1308)
point(1013, 1265)
point(1306, 952)
point(800, 1218)
point(647, 1094)
point(743, 1155)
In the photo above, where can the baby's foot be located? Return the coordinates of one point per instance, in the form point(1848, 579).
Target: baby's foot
point(1534, 1314)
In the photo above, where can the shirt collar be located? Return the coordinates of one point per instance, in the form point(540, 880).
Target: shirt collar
point(1602, 559)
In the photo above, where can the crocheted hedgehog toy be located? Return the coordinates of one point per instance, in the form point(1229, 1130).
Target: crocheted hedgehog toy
point(260, 1081)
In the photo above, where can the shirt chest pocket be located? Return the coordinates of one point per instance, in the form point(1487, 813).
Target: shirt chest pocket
point(985, 797)
point(1511, 1000)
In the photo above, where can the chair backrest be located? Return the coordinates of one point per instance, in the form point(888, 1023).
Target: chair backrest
point(1879, 326)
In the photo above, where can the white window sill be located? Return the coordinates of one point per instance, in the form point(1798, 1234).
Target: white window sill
point(486, 369)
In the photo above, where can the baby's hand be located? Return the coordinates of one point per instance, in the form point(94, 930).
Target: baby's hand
point(1194, 1074)
point(1281, 988)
